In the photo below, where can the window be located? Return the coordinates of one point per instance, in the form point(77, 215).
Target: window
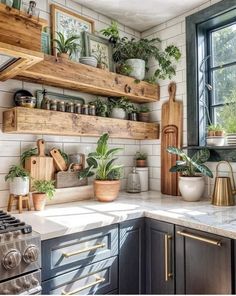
point(221, 70)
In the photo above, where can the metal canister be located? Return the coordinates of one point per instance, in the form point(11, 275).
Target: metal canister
point(92, 110)
point(85, 109)
point(61, 106)
point(70, 107)
point(78, 108)
point(53, 105)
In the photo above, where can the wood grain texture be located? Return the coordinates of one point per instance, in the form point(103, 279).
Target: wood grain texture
point(76, 76)
point(59, 161)
point(18, 29)
point(40, 167)
point(171, 135)
point(25, 59)
point(38, 121)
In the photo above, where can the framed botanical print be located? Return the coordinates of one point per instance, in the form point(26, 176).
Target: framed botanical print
point(100, 48)
point(69, 24)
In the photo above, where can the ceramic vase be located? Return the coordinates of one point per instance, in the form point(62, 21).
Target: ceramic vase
point(191, 188)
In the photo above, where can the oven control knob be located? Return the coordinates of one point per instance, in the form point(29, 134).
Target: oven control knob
point(31, 254)
point(34, 281)
point(16, 289)
point(11, 259)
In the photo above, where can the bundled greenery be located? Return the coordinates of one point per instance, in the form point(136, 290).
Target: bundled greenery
point(143, 49)
point(101, 162)
point(140, 155)
point(43, 186)
point(16, 171)
point(215, 128)
point(101, 107)
point(144, 109)
point(69, 45)
point(27, 154)
point(124, 69)
point(191, 166)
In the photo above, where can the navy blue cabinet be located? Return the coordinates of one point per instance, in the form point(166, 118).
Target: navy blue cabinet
point(160, 257)
point(132, 257)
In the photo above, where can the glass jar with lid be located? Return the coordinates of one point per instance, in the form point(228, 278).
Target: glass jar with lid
point(85, 109)
point(53, 105)
point(70, 107)
point(61, 106)
point(92, 110)
point(78, 108)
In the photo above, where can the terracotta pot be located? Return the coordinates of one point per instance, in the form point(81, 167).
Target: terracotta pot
point(39, 201)
point(106, 190)
point(141, 163)
point(211, 134)
point(219, 133)
point(144, 116)
point(64, 56)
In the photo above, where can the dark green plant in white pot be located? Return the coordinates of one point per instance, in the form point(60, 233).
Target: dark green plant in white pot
point(192, 172)
point(18, 179)
point(119, 108)
point(101, 163)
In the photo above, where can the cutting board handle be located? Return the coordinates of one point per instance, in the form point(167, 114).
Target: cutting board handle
point(41, 147)
point(172, 91)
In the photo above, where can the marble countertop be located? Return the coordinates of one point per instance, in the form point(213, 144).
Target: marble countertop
point(62, 219)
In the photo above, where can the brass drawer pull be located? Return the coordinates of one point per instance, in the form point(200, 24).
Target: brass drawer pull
point(168, 273)
point(98, 246)
point(214, 242)
point(98, 281)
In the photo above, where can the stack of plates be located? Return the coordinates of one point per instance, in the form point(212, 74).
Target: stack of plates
point(231, 139)
point(90, 61)
point(215, 141)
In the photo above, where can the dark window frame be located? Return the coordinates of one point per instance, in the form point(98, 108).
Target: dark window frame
point(197, 26)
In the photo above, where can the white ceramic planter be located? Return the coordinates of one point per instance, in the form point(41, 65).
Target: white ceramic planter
point(191, 188)
point(138, 68)
point(118, 113)
point(215, 141)
point(19, 186)
point(143, 173)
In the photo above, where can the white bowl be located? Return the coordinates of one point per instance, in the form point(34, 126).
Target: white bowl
point(215, 141)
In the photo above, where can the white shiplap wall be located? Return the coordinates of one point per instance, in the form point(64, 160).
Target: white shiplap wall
point(11, 146)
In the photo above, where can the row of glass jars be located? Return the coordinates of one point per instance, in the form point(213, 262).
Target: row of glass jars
point(70, 107)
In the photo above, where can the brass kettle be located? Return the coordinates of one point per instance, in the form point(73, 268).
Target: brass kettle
point(224, 188)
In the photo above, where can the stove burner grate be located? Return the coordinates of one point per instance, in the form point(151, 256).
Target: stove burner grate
point(9, 223)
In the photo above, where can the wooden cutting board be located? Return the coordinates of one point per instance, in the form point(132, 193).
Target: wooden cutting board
point(40, 167)
point(171, 135)
point(59, 161)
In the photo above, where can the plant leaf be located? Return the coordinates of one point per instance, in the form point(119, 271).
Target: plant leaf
point(178, 169)
point(102, 145)
point(201, 156)
point(203, 169)
point(92, 162)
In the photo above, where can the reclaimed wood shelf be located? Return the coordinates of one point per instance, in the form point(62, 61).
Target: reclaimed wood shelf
point(21, 120)
point(67, 74)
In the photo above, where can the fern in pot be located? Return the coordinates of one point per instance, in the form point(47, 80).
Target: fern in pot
point(192, 171)
point(18, 179)
point(107, 173)
point(43, 189)
point(66, 47)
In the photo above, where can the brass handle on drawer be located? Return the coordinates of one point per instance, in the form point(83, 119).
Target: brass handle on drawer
point(98, 281)
point(210, 241)
point(168, 274)
point(98, 246)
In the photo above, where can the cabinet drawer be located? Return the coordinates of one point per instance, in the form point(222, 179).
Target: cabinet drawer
point(97, 278)
point(65, 253)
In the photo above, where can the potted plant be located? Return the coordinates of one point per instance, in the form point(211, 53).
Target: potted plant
point(192, 170)
point(215, 135)
point(144, 114)
point(99, 54)
point(119, 107)
point(101, 107)
point(107, 174)
point(42, 189)
point(66, 47)
point(136, 53)
point(141, 159)
point(18, 180)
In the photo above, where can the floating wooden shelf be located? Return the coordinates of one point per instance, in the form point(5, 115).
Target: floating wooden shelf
point(67, 74)
point(21, 120)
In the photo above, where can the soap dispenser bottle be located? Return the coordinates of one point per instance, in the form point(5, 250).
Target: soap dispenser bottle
point(133, 182)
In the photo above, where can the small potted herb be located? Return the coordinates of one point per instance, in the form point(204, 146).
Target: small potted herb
point(141, 159)
point(144, 114)
point(101, 107)
point(66, 47)
point(192, 170)
point(42, 190)
point(119, 107)
point(18, 180)
point(107, 173)
point(215, 135)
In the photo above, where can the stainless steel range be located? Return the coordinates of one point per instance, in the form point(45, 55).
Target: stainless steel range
point(20, 257)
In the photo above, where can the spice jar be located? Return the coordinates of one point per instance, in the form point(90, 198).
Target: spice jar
point(78, 108)
point(70, 107)
point(85, 109)
point(47, 104)
point(92, 110)
point(53, 105)
point(61, 106)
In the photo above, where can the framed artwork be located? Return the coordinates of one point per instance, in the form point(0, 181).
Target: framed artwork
point(100, 48)
point(69, 24)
